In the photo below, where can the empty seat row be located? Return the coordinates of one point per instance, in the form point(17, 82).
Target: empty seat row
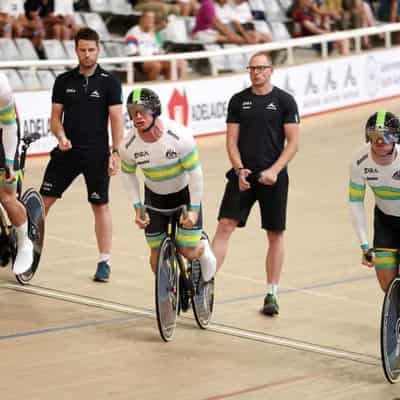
point(27, 79)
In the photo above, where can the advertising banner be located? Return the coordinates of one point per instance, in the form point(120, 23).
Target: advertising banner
point(202, 104)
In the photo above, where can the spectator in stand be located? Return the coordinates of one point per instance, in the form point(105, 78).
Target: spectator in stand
point(167, 7)
point(307, 23)
point(141, 40)
point(61, 27)
point(209, 28)
point(243, 23)
point(389, 11)
point(33, 27)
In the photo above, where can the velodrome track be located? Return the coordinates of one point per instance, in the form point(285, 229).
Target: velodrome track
point(67, 337)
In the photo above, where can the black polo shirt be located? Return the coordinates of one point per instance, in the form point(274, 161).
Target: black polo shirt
point(86, 101)
point(261, 120)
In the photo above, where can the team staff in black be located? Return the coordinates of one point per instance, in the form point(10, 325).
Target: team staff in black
point(83, 101)
point(262, 137)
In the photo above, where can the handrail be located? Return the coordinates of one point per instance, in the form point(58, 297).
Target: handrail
point(289, 44)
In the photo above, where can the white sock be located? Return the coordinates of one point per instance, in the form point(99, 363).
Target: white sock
point(105, 257)
point(22, 234)
point(208, 262)
point(273, 289)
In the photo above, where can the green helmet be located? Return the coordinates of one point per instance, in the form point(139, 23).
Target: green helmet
point(143, 99)
point(384, 127)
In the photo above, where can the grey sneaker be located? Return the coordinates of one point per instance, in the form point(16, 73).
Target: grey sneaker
point(103, 272)
point(271, 306)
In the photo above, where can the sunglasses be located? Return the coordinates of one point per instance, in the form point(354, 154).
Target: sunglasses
point(386, 136)
point(258, 68)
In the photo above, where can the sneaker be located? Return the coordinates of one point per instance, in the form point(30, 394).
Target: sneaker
point(271, 306)
point(103, 272)
point(24, 258)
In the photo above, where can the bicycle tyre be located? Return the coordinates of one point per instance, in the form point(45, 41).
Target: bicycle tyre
point(36, 227)
point(203, 297)
point(390, 332)
point(166, 290)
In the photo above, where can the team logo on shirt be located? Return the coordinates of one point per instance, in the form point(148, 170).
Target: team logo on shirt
point(370, 171)
point(95, 94)
point(271, 106)
point(140, 154)
point(396, 175)
point(171, 154)
point(246, 105)
point(70, 90)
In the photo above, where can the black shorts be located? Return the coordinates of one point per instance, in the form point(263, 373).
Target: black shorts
point(386, 230)
point(271, 199)
point(158, 227)
point(65, 166)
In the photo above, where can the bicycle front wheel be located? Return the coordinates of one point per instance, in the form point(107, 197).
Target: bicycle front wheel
point(390, 332)
point(35, 213)
point(203, 297)
point(166, 293)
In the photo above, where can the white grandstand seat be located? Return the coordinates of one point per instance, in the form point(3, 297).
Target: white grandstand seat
point(94, 21)
point(69, 46)
point(262, 26)
point(218, 62)
point(176, 30)
point(14, 78)
point(64, 7)
point(120, 7)
point(30, 79)
point(115, 48)
point(46, 78)
point(274, 11)
point(286, 4)
point(257, 8)
point(26, 48)
point(235, 62)
point(100, 5)
point(54, 49)
point(9, 50)
point(79, 19)
point(279, 31)
point(13, 7)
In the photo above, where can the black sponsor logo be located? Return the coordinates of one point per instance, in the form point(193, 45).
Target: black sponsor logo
point(171, 154)
point(363, 158)
point(143, 162)
point(372, 178)
point(396, 175)
point(139, 154)
point(370, 171)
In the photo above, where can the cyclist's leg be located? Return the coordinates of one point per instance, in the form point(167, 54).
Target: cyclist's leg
point(17, 214)
point(234, 211)
point(386, 238)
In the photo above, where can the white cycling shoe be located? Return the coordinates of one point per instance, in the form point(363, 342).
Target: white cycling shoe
point(208, 262)
point(24, 259)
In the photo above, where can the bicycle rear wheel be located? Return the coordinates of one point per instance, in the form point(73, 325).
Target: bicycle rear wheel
point(203, 297)
point(35, 212)
point(166, 293)
point(390, 332)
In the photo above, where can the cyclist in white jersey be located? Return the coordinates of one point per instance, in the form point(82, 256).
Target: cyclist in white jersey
point(377, 164)
point(167, 155)
point(8, 199)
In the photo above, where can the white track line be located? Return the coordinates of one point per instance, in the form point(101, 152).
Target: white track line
point(215, 327)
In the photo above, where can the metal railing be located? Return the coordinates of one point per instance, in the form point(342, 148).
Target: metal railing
point(288, 45)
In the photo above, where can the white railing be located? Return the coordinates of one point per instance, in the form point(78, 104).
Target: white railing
point(288, 45)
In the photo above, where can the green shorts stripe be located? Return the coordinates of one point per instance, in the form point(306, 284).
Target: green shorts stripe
point(385, 260)
point(155, 241)
point(188, 237)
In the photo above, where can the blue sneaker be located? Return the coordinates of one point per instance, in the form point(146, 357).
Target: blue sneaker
point(103, 272)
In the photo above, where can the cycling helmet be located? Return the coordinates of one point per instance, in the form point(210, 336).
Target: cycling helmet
point(383, 127)
point(143, 99)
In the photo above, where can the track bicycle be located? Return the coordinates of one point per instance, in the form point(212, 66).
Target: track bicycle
point(390, 324)
point(179, 282)
point(33, 204)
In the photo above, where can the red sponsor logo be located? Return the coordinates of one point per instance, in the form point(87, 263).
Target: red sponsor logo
point(178, 107)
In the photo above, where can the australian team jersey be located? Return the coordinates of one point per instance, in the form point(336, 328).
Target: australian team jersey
point(384, 181)
point(169, 164)
point(8, 120)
